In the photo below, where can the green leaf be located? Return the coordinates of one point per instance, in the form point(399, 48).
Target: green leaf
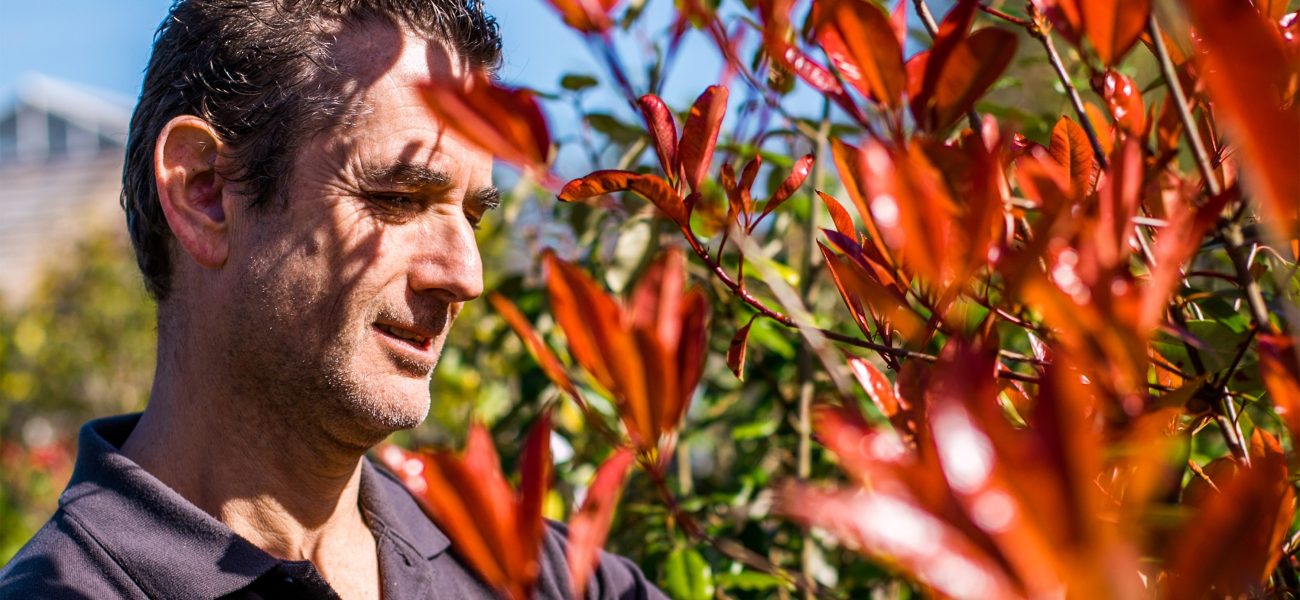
point(751, 581)
point(1219, 343)
point(688, 576)
point(575, 82)
point(755, 429)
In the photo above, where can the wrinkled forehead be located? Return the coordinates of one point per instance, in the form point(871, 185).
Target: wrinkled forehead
point(378, 52)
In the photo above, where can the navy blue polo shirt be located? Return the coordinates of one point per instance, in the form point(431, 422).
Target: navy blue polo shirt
point(119, 532)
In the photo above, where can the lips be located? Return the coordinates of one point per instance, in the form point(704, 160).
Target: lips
point(409, 336)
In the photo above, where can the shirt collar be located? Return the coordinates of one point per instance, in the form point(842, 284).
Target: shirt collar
point(173, 549)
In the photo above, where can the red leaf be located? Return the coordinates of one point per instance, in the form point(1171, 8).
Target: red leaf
point(847, 160)
point(1113, 26)
point(589, 526)
point(859, 39)
point(495, 533)
point(891, 526)
point(798, 174)
point(1246, 69)
point(736, 351)
point(952, 31)
point(843, 221)
point(700, 134)
point(1124, 100)
point(503, 121)
point(534, 480)
point(649, 355)
point(1071, 149)
point(650, 187)
point(537, 347)
point(882, 394)
point(587, 16)
point(964, 76)
point(663, 132)
point(1278, 369)
point(1231, 550)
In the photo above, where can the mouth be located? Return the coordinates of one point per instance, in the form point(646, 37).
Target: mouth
point(403, 335)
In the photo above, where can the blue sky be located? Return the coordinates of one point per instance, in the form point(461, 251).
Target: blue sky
point(106, 44)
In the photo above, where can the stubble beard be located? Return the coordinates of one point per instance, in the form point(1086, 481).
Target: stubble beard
point(302, 361)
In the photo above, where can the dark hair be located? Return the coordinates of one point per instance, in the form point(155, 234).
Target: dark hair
point(261, 72)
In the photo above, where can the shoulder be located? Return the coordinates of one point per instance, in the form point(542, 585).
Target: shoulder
point(64, 561)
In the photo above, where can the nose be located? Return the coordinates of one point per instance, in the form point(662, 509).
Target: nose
point(445, 261)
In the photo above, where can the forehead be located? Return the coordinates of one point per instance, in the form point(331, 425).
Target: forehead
point(384, 68)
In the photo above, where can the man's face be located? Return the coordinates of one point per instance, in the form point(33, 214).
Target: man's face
point(349, 292)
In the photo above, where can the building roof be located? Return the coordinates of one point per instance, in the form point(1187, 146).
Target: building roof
point(61, 148)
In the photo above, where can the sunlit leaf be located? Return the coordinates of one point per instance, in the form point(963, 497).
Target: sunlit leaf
point(587, 16)
point(663, 133)
point(503, 121)
point(1071, 149)
point(537, 347)
point(798, 173)
point(700, 134)
point(860, 41)
point(589, 526)
point(1124, 100)
point(1247, 70)
point(967, 72)
point(650, 187)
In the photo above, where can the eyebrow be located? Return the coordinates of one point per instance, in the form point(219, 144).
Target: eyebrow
point(410, 175)
point(487, 198)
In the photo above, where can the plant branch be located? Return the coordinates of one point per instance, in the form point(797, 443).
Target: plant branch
point(1175, 86)
point(1054, 57)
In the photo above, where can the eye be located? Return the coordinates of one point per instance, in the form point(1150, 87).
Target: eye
point(393, 201)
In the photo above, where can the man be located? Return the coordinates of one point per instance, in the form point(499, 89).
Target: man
point(307, 228)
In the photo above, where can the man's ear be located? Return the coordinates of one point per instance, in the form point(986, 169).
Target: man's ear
point(190, 188)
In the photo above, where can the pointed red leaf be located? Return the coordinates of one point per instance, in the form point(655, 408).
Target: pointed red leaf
point(798, 173)
point(700, 135)
point(1278, 369)
point(589, 526)
point(893, 527)
point(1113, 26)
point(952, 31)
point(650, 187)
point(1246, 68)
point(1071, 149)
point(736, 351)
point(1124, 100)
point(859, 40)
point(587, 16)
point(503, 121)
point(534, 480)
point(843, 221)
point(663, 133)
point(537, 347)
point(969, 70)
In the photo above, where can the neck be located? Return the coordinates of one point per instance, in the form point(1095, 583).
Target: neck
point(288, 487)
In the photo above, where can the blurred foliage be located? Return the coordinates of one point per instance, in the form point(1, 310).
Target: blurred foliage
point(82, 346)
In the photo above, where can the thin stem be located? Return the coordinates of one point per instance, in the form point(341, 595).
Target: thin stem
point(1014, 20)
point(1175, 86)
point(1064, 76)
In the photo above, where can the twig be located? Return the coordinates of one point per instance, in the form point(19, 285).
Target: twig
point(1054, 57)
point(1004, 16)
point(1175, 86)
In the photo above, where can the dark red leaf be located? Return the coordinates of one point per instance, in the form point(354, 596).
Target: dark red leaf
point(1113, 26)
point(503, 121)
point(650, 187)
point(798, 174)
point(843, 221)
point(663, 133)
point(700, 135)
point(1247, 70)
point(859, 40)
point(736, 351)
point(1071, 149)
point(589, 526)
point(969, 70)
